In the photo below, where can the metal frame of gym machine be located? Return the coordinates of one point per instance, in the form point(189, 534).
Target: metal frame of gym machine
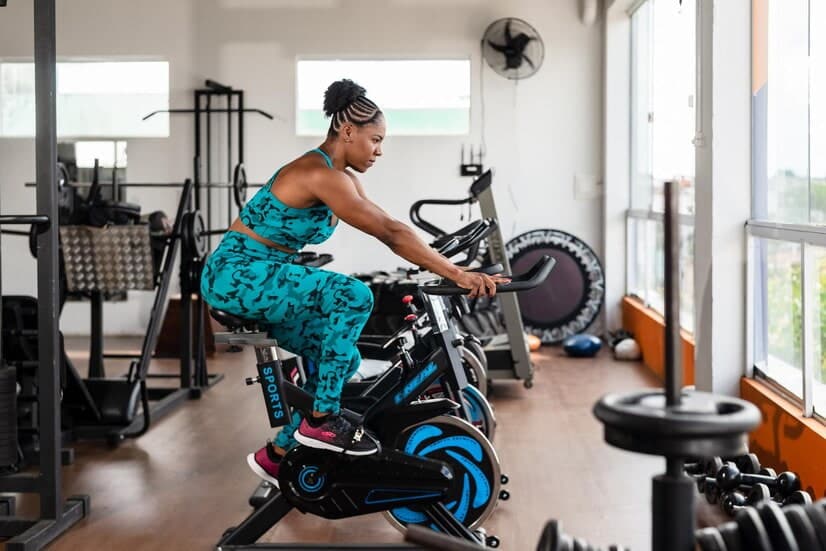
point(56, 515)
point(508, 302)
point(520, 358)
point(201, 97)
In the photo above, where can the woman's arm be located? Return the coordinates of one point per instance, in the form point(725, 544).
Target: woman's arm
point(344, 196)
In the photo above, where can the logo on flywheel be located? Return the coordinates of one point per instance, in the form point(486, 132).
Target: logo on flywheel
point(590, 270)
point(310, 479)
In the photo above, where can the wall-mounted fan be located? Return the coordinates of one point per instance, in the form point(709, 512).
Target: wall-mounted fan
point(513, 48)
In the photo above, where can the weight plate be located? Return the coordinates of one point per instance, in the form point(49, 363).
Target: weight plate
point(817, 515)
point(748, 464)
point(731, 535)
point(703, 423)
point(62, 175)
point(713, 466)
point(753, 533)
point(799, 497)
point(758, 494)
point(192, 234)
point(709, 539)
point(778, 528)
point(802, 527)
point(239, 185)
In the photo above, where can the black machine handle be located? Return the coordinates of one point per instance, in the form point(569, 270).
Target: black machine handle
point(24, 219)
point(447, 247)
point(479, 185)
point(472, 235)
point(532, 278)
point(420, 222)
point(472, 251)
point(469, 228)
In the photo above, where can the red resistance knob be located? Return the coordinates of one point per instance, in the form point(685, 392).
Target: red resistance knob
point(411, 317)
point(407, 299)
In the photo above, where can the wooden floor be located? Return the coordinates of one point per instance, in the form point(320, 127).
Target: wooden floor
point(180, 485)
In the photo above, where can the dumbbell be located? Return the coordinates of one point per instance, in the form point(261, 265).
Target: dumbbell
point(729, 478)
point(553, 539)
point(707, 484)
point(733, 501)
point(710, 468)
point(748, 463)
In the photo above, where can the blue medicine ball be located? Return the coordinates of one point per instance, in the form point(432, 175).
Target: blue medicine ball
point(582, 346)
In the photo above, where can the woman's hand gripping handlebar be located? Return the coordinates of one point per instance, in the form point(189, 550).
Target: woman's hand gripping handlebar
point(490, 285)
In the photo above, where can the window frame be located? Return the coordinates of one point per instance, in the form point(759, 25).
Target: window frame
point(637, 214)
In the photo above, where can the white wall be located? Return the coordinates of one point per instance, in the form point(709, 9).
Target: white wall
point(540, 132)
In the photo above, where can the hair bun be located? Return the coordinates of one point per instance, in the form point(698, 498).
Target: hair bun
point(340, 94)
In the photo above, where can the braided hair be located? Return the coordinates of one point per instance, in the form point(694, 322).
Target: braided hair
point(345, 101)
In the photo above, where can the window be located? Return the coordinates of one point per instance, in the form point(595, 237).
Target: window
point(418, 97)
point(787, 241)
point(94, 99)
point(662, 128)
point(108, 154)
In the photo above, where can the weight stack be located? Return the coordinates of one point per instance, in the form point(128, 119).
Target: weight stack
point(8, 416)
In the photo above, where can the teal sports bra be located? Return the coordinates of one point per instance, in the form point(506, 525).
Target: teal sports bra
point(288, 226)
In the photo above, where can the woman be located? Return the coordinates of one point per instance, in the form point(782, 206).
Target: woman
point(316, 313)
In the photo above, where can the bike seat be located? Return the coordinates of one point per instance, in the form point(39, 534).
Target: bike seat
point(232, 322)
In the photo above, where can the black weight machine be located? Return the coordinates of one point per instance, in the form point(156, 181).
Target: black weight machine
point(117, 398)
point(236, 178)
point(98, 262)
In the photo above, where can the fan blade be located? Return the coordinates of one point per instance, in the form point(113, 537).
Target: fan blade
point(526, 58)
point(508, 36)
point(498, 47)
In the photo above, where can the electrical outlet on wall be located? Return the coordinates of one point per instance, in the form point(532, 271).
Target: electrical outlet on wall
point(587, 186)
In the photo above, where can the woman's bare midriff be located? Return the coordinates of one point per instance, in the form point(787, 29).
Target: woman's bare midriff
point(240, 227)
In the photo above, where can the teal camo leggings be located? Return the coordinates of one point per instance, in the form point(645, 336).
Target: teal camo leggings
point(311, 312)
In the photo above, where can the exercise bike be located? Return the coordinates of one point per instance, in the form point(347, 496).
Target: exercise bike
point(397, 292)
point(435, 354)
point(433, 468)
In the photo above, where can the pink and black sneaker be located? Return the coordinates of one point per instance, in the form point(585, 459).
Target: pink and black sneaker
point(335, 433)
point(265, 463)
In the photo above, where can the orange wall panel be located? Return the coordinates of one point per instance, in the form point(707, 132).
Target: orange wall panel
point(787, 441)
point(648, 328)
